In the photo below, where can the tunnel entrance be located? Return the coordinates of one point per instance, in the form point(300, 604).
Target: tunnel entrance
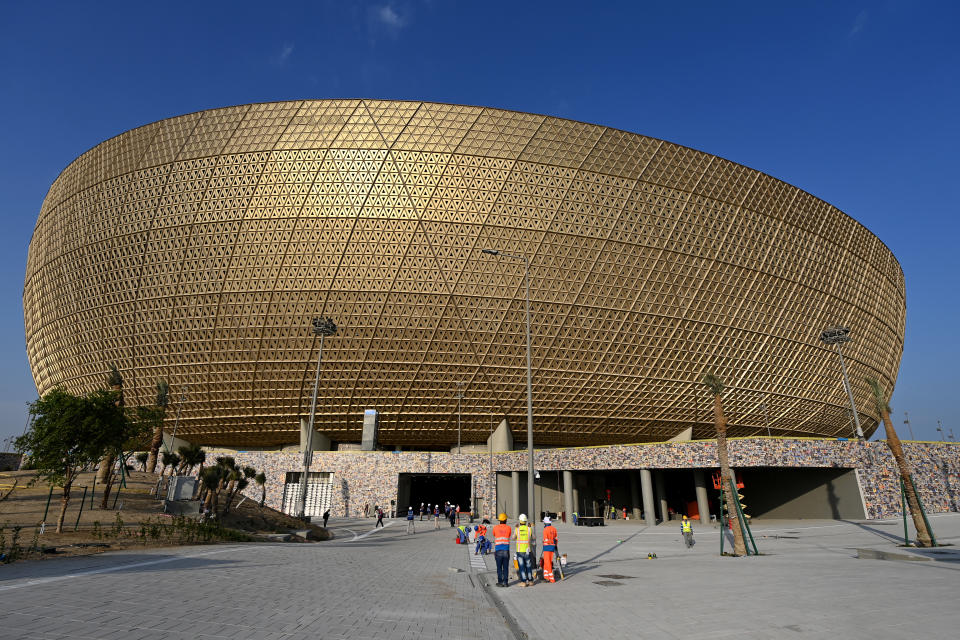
point(432, 488)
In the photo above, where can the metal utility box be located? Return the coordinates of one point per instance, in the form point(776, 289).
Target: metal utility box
point(181, 488)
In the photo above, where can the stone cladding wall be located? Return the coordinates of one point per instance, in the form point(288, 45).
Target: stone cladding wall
point(363, 478)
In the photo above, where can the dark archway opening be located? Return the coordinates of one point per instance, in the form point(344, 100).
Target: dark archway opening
point(432, 488)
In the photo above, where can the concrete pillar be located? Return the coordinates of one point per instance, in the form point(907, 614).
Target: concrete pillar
point(514, 494)
point(646, 487)
point(703, 505)
point(662, 496)
point(568, 495)
point(634, 496)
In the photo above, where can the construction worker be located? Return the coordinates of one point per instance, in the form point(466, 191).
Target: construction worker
point(482, 545)
point(410, 528)
point(501, 549)
point(549, 549)
point(686, 529)
point(524, 559)
point(436, 516)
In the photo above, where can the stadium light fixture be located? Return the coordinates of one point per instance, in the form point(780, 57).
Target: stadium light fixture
point(323, 327)
point(531, 507)
point(836, 336)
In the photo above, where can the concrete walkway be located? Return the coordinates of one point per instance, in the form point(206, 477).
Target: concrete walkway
point(809, 583)
point(386, 584)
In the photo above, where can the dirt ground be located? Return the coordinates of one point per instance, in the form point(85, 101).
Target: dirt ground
point(23, 505)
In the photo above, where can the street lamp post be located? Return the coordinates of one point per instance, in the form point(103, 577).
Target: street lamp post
point(530, 471)
point(766, 418)
point(322, 327)
point(837, 336)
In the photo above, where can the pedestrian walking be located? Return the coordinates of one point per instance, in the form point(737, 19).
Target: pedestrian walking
point(549, 549)
point(458, 514)
point(410, 526)
point(686, 529)
point(326, 516)
point(436, 516)
point(452, 516)
point(524, 553)
point(501, 550)
point(379, 518)
point(421, 512)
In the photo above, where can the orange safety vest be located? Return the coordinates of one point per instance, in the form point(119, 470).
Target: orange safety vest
point(501, 535)
point(482, 531)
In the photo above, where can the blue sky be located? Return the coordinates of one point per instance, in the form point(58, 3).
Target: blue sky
point(857, 103)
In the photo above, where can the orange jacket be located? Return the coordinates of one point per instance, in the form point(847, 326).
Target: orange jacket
point(549, 536)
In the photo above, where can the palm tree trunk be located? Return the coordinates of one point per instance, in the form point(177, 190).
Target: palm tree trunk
point(893, 441)
point(155, 448)
point(263, 496)
point(107, 484)
point(106, 465)
point(730, 491)
point(64, 501)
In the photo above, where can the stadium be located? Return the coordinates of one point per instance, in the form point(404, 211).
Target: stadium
point(198, 249)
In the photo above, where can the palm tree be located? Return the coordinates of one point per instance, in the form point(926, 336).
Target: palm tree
point(105, 475)
point(715, 385)
point(239, 486)
point(261, 480)
point(169, 460)
point(211, 479)
point(163, 390)
point(924, 539)
point(142, 459)
point(191, 455)
point(249, 473)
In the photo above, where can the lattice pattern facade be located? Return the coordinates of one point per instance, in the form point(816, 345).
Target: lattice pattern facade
point(198, 248)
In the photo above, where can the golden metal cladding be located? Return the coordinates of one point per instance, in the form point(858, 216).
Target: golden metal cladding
point(198, 248)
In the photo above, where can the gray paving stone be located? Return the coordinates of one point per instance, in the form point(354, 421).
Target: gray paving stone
point(391, 585)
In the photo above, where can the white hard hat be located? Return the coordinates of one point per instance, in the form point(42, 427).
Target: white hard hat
point(546, 520)
point(523, 517)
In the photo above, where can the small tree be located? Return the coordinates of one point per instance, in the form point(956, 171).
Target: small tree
point(191, 455)
point(69, 432)
point(715, 385)
point(261, 480)
point(169, 460)
point(104, 474)
point(156, 414)
point(924, 539)
point(142, 459)
point(211, 479)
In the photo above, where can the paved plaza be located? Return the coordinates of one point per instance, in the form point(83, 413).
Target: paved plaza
point(387, 584)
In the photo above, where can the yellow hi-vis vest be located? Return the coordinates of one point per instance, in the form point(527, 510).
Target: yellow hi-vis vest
point(523, 538)
point(686, 527)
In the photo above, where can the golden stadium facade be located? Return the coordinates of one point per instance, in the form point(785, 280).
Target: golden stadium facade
point(198, 248)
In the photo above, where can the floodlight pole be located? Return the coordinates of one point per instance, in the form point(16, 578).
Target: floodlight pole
point(906, 421)
point(322, 327)
point(837, 336)
point(532, 519)
point(940, 429)
point(766, 418)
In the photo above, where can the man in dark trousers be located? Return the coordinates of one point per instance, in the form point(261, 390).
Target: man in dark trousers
point(501, 549)
point(326, 516)
point(379, 518)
